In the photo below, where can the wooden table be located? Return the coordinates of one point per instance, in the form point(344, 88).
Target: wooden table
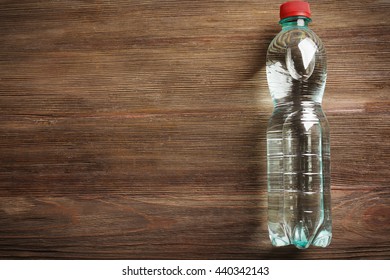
point(136, 129)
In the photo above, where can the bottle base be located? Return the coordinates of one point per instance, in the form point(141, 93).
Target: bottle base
point(323, 239)
point(300, 241)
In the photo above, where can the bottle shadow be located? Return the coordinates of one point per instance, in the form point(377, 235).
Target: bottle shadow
point(248, 231)
point(254, 236)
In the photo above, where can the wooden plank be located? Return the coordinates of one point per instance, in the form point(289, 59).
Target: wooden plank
point(186, 224)
point(108, 153)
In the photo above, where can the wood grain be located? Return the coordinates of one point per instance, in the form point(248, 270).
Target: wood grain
point(136, 129)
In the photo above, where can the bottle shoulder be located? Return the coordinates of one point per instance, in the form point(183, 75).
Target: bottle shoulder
point(298, 52)
point(296, 66)
point(293, 36)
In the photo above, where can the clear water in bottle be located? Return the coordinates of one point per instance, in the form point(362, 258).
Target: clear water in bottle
point(298, 148)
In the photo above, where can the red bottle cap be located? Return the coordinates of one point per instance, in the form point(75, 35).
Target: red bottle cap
point(294, 8)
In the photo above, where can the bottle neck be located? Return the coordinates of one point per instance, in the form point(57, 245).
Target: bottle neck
point(294, 22)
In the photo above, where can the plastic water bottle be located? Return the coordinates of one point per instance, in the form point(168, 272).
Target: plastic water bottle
point(298, 148)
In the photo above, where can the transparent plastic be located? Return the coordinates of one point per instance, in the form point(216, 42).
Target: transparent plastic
point(298, 147)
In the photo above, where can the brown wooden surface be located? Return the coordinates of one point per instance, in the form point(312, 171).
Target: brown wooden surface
point(136, 129)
